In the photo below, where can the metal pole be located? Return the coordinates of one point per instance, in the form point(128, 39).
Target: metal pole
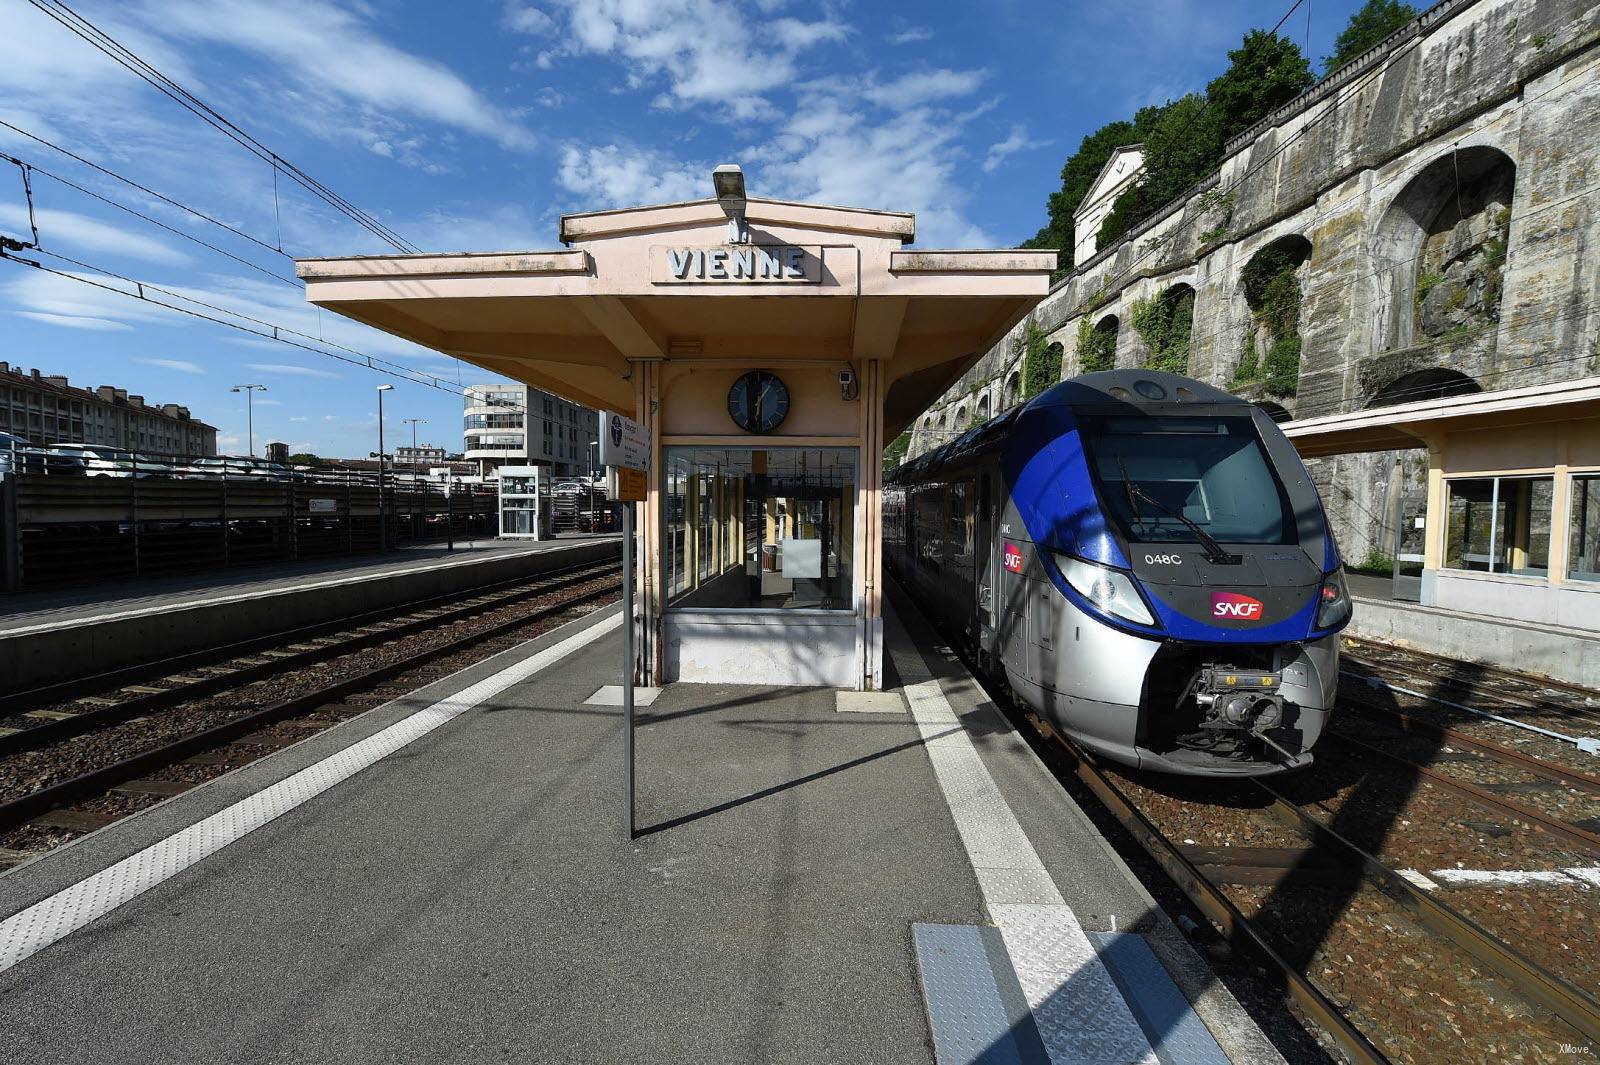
point(383, 529)
point(627, 661)
point(250, 419)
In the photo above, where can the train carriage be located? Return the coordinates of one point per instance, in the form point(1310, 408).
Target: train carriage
point(1145, 560)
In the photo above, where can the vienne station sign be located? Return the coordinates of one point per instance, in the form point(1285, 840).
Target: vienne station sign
point(750, 264)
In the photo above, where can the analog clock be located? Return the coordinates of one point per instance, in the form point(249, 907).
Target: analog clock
point(758, 402)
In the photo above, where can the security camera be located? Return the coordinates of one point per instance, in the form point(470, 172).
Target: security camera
point(847, 384)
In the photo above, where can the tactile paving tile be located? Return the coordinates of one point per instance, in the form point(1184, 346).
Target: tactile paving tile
point(966, 1012)
point(36, 927)
point(1003, 884)
point(1178, 1034)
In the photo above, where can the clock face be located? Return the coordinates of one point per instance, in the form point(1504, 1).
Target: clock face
point(758, 402)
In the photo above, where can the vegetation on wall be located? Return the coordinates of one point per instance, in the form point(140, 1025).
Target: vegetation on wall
point(1097, 347)
point(1375, 21)
point(1041, 361)
point(1272, 291)
point(1165, 323)
point(1183, 139)
point(895, 453)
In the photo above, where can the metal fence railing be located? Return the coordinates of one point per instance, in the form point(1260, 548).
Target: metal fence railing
point(73, 514)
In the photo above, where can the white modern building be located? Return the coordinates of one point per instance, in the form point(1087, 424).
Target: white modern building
point(519, 425)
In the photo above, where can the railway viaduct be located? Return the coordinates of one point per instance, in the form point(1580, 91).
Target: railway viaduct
point(1425, 221)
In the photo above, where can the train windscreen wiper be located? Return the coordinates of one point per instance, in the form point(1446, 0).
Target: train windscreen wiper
point(1214, 551)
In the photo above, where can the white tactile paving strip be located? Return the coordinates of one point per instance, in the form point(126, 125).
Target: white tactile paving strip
point(1079, 1011)
point(63, 913)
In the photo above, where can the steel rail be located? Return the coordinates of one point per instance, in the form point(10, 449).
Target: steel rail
point(427, 617)
point(1526, 976)
point(1495, 803)
point(10, 702)
point(26, 807)
point(1445, 734)
point(1529, 679)
point(1214, 902)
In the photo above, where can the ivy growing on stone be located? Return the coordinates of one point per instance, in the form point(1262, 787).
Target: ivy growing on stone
point(1097, 347)
point(1041, 361)
point(1271, 284)
point(1166, 324)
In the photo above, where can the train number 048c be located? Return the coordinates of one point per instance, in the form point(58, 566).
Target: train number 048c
point(1163, 560)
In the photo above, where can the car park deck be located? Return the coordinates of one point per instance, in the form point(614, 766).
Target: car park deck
point(49, 636)
point(446, 878)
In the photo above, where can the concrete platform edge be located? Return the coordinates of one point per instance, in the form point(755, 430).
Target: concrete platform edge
point(1562, 654)
point(33, 881)
point(43, 654)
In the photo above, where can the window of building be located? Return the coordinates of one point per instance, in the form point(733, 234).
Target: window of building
point(1499, 525)
point(768, 528)
point(1583, 529)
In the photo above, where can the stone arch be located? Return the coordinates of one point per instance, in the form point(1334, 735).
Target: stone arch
point(1097, 344)
point(1276, 411)
point(1012, 393)
point(959, 421)
point(1270, 290)
point(983, 408)
point(1166, 324)
point(1441, 247)
point(1436, 383)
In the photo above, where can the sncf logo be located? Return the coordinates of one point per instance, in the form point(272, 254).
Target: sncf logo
point(1012, 558)
point(1235, 607)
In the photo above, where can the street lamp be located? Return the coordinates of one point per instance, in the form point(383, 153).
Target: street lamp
point(383, 521)
point(593, 444)
point(250, 410)
point(414, 422)
point(727, 181)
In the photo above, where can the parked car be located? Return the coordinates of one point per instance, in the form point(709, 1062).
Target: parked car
point(109, 462)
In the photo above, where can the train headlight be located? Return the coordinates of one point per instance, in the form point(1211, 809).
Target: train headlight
point(1333, 601)
point(1108, 589)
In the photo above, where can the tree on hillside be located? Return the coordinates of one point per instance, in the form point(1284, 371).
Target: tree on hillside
point(1077, 174)
point(1185, 138)
point(1375, 21)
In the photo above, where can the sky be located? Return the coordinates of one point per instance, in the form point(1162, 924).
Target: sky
point(473, 126)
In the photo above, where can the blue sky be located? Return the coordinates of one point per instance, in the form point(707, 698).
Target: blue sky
point(474, 125)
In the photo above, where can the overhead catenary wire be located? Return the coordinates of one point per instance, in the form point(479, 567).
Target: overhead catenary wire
point(115, 50)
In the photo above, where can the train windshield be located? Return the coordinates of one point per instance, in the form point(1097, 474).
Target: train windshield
point(1162, 479)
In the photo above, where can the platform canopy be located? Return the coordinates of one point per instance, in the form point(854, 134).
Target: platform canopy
point(664, 282)
point(1413, 425)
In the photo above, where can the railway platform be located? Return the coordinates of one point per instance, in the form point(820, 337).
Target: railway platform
point(819, 876)
point(49, 636)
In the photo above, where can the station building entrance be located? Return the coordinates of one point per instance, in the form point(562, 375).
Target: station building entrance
point(771, 349)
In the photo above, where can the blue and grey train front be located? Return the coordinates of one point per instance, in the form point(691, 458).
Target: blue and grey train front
point(1188, 590)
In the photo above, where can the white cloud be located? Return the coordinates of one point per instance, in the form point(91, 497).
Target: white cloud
point(268, 402)
point(706, 50)
point(288, 369)
point(73, 303)
point(228, 441)
point(67, 228)
point(1016, 141)
point(525, 18)
point(326, 50)
point(924, 87)
point(180, 365)
point(910, 36)
point(73, 321)
point(614, 176)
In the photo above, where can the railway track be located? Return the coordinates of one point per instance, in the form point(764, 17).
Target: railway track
point(72, 762)
point(1350, 881)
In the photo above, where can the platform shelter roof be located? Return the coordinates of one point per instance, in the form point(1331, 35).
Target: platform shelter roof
point(573, 320)
point(1412, 425)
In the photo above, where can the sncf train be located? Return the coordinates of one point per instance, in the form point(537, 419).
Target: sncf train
point(1145, 561)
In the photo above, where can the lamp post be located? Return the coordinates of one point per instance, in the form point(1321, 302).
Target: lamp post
point(383, 520)
point(250, 411)
point(593, 444)
point(414, 422)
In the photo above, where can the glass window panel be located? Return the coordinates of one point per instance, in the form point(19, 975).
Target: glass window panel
point(1527, 548)
point(768, 528)
point(1471, 522)
point(1583, 530)
point(1499, 525)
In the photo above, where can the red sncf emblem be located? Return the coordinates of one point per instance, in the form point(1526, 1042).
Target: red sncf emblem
point(1012, 557)
point(1236, 607)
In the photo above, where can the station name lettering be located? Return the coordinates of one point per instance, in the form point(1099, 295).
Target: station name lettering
point(738, 263)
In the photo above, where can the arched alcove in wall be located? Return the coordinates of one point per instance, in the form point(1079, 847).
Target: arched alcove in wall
point(1165, 324)
point(1436, 383)
point(1013, 389)
point(983, 408)
point(1097, 344)
point(1270, 287)
point(1441, 247)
